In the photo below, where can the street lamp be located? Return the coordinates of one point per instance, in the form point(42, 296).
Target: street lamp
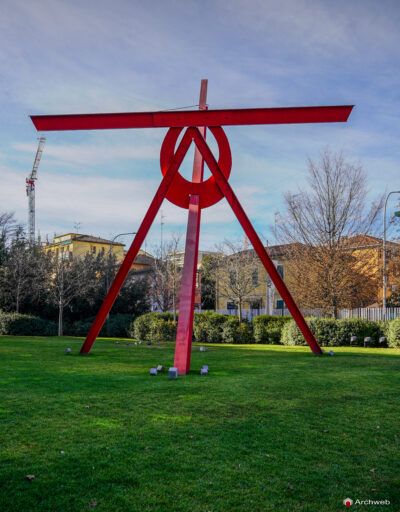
point(384, 253)
point(109, 252)
point(108, 269)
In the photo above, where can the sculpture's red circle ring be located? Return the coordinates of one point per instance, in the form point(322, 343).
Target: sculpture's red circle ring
point(181, 189)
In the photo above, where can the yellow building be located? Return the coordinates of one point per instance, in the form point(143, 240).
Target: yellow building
point(364, 248)
point(263, 295)
point(76, 245)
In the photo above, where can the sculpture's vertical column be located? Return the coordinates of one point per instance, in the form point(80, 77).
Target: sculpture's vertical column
point(186, 302)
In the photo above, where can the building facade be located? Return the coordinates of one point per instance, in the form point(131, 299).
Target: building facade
point(75, 246)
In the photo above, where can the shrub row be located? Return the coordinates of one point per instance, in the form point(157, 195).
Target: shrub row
point(207, 327)
point(216, 328)
point(268, 329)
point(210, 327)
point(332, 333)
point(117, 326)
point(153, 327)
point(17, 324)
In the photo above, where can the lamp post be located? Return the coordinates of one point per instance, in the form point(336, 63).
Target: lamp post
point(108, 269)
point(109, 253)
point(384, 254)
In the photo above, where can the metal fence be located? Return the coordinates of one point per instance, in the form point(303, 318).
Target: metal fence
point(373, 314)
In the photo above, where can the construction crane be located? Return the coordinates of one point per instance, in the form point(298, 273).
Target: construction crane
point(30, 191)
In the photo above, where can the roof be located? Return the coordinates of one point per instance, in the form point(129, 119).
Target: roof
point(369, 241)
point(95, 240)
point(85, 238)
point(282, 249)
point(276, 250)
point(143, 259)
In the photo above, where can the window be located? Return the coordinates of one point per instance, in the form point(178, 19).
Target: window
point(279, 268)
point(93, 249)
point(254, 277)
point(255, 304)
point(232, 277)
point(280, 304)
point(231, 305)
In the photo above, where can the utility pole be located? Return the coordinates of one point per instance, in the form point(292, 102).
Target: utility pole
point(384, 255)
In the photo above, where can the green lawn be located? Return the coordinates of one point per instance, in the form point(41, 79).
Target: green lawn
point(270, 428)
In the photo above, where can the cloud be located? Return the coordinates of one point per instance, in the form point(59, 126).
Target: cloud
point(101, 204)
point(91, 154)
point(320, 28)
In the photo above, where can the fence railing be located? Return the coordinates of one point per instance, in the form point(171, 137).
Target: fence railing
point(373, 314)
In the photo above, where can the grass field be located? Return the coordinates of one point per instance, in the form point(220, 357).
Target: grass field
point(271, 428)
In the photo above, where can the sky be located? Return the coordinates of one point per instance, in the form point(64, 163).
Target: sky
point(65, 57)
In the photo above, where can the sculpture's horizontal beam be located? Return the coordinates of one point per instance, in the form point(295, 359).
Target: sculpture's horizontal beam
point(231, 117)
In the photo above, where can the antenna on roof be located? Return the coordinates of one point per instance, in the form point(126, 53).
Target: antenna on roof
point(162, 224)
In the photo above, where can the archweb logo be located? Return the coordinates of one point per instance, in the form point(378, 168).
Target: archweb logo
point(348, 502)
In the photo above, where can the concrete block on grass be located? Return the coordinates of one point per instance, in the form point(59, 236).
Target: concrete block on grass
point(173, 373)
point(367, 341)
point(153, 371)
point(160, 368)
point(202, 349)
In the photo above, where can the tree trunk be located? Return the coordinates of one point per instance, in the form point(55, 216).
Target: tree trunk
point(240, 311)
point(60, 318)
point(335, 312)
point(174, 299)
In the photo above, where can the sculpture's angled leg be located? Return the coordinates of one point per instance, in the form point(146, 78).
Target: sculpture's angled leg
point(226, 189)
point(137, 242)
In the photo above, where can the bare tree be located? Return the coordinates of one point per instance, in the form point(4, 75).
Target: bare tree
point(8, 225)
point(235, 270)
point(9, 228)
point(22, 273)
point(70, 279)
point(329, 265)
point(167, 273)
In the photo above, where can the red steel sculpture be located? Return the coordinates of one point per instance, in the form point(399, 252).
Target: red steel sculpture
point(194, 195)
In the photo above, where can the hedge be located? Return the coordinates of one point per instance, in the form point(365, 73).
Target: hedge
point(268, 329)
point(208, 327)
point(153, 327)
point(393, 333)
point(332, 333)
point(17, 324)
point(234, 332)
point(117, 326)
